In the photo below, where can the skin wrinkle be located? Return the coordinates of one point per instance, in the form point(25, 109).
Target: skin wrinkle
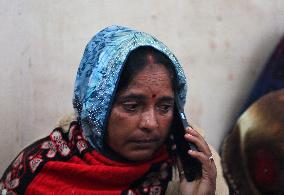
point(152, 78)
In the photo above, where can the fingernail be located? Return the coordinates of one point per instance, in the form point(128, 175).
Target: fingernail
point(192, 131)
point(187, 135)
point(189, 130)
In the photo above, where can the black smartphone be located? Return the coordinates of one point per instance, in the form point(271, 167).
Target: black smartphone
point(192, 166)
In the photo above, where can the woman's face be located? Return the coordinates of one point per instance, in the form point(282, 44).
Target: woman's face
point(141, 116)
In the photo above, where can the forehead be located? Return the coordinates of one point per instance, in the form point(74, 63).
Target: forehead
point(153, 74)
point(154, 78)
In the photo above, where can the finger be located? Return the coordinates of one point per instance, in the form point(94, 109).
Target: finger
point(199, 142)
point(205, 159)
point(193, 132)
point(208, 165)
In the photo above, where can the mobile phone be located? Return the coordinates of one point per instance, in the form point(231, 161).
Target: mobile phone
point(192, 166)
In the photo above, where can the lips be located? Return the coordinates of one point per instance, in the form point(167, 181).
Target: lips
point(142, 141)
point(145, 143)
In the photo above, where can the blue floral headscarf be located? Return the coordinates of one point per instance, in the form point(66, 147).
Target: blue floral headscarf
point(99, 72)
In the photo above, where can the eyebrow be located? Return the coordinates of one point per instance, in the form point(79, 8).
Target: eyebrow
point(132, 96)
point(167, 99)
point(141, 97)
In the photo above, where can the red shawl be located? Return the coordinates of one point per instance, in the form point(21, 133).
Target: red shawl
point(65, 163)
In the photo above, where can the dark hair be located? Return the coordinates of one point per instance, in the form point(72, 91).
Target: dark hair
point(138, 59)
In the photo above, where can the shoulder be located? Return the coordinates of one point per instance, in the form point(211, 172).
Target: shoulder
point(60, 145)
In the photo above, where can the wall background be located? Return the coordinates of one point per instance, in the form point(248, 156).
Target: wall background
point(222, 45)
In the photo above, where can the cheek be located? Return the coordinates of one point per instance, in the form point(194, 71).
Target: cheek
point(119, 125)
point(116, 117)
point(165, 124)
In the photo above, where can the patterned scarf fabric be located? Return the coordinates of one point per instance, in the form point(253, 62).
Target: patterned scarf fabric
point(65, 163)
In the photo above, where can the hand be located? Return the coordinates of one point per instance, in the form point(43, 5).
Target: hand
point(206, 185)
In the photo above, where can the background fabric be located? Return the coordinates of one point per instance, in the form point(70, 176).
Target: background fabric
point(252, 152)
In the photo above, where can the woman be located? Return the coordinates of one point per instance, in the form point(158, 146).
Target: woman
point(119, 141)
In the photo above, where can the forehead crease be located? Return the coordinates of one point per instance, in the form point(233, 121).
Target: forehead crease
point(154, 77)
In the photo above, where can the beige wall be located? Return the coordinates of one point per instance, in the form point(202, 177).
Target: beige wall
point(222, 45)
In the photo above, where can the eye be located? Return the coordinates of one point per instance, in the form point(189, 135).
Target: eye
point(130, 106)
point(165, 108)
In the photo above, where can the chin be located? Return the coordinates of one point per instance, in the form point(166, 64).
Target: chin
point(140, 156)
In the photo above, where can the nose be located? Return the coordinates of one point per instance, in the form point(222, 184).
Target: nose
point(148, 121)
